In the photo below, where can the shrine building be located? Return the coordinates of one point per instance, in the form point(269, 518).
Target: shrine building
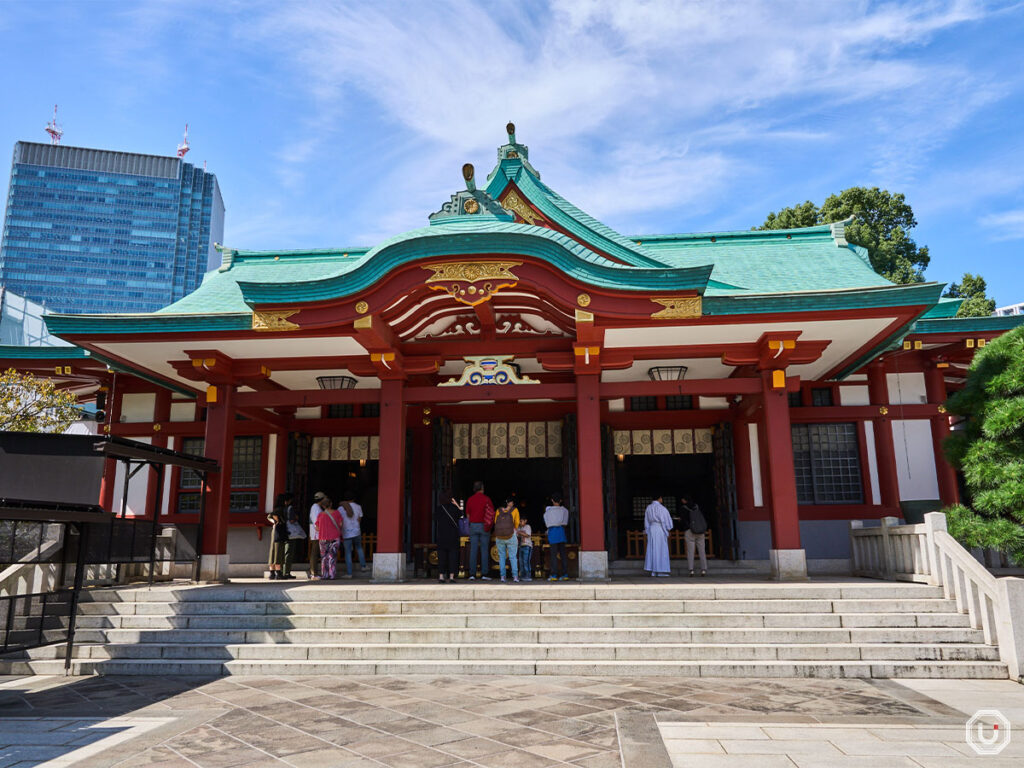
point(771, 375)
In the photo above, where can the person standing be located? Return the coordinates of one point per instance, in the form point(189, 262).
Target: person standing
point(525, 534)
point(480, 511)
point(657, 524)
point(446, 525)
point(695, 534)
point(328, 528)
point(320, 503)
point(556, 518)
point(351, 532)
point(506, 522)
point(296, 535)
point(279, 535)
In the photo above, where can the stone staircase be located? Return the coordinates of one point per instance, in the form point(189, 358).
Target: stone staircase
point(708, 628)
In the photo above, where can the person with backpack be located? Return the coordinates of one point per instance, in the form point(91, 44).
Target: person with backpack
point(446, 526)
point(506, 521)
point(556, 518)
point(480, 511)
point(695, 534)
point(328, 529)
point(351, 532)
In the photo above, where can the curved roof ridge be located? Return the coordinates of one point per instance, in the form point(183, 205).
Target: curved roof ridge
point(740, 233)
point(582, 225)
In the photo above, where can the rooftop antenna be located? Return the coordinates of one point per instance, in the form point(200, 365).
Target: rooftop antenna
point(53, 129)
point(183, 148)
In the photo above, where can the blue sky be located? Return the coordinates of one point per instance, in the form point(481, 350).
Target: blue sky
point(340, 124)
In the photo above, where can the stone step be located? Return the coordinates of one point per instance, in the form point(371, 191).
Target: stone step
point(476, 591)
point(631, 668)
point(498, 621)
point(502, 652)
point(515, 607)
point(544, 636)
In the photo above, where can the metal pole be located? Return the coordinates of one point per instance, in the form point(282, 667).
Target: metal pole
point(202, 521)
point(83, 545)
point(158, 502)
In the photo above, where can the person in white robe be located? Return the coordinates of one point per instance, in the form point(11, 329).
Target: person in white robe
point(657, 524)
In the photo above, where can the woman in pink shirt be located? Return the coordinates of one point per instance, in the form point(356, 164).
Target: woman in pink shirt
point(328, 528)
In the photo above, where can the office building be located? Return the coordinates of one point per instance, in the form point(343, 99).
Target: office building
point(96, 231)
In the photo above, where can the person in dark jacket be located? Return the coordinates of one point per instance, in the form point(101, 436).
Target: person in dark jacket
point(279, 548)
point(446, 524)
point(695, 534)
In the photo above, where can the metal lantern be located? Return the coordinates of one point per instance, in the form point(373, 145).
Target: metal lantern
point(336, 382)
point(667, 372)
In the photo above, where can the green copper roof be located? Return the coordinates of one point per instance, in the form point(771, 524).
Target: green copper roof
point(799, 270)
point(471, 235)
point(968, 324)
point(17, 352)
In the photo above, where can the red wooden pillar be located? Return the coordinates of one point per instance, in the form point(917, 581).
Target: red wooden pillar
point(219, 446)
point(935, 388)
point(389, 559)
point(161, 415)
point(421, 484)
point(885, 452)
point(109, 479)
point(743, 466)
point(787, 556)
point(593, 555)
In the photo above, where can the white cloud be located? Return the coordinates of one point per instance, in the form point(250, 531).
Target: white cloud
point(631, 105)
point(1008, 225)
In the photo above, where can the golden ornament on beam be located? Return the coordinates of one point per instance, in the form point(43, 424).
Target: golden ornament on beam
point(678, 307)
point(362, 307)
point(583, 299)
point(274, 321)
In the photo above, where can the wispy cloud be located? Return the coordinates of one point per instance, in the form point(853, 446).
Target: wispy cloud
point(1008, 225)
point(672, 94)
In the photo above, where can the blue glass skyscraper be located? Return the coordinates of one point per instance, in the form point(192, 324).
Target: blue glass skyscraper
point(89, 230)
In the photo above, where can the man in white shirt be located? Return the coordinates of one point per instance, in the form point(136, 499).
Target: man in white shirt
point(351, 532)
point(320, 503)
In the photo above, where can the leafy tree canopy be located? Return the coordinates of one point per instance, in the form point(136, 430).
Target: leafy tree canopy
point(28, 404)
point(972, 291)
point(990, 449)
point(882, 225)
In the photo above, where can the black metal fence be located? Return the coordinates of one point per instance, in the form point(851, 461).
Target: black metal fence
point(115, 550)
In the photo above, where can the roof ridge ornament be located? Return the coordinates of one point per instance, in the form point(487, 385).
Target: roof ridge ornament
point(513, 151)
point(470, 202)
point(838, 230)
point(227, 257)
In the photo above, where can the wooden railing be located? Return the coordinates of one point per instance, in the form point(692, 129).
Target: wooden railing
point(927, 553)
point(636, 545)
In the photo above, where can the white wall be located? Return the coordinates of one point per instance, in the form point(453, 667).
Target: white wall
point(869, 440)
point(915, 459)
point(906, 388)
point(136, 487)
point(854, 396)
point(138, 406)
point(755, 466)
point(183, 411)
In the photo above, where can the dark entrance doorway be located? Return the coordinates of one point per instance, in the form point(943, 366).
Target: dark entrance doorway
point(638, 478)
point(335, 477)
point(531, 480)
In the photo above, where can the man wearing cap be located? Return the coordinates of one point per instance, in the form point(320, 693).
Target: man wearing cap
point(320, 503)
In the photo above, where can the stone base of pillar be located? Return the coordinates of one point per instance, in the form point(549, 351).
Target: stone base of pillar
point(388, 567)
point(788, 564)
point(213, 569)
point(594, 566)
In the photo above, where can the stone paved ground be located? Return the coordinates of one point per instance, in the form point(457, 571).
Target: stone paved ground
point(493, 722)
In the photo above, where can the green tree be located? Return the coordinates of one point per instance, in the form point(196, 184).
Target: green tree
point(28, 404)
point(882, 225)
point(990, 449)
point(972, 291)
